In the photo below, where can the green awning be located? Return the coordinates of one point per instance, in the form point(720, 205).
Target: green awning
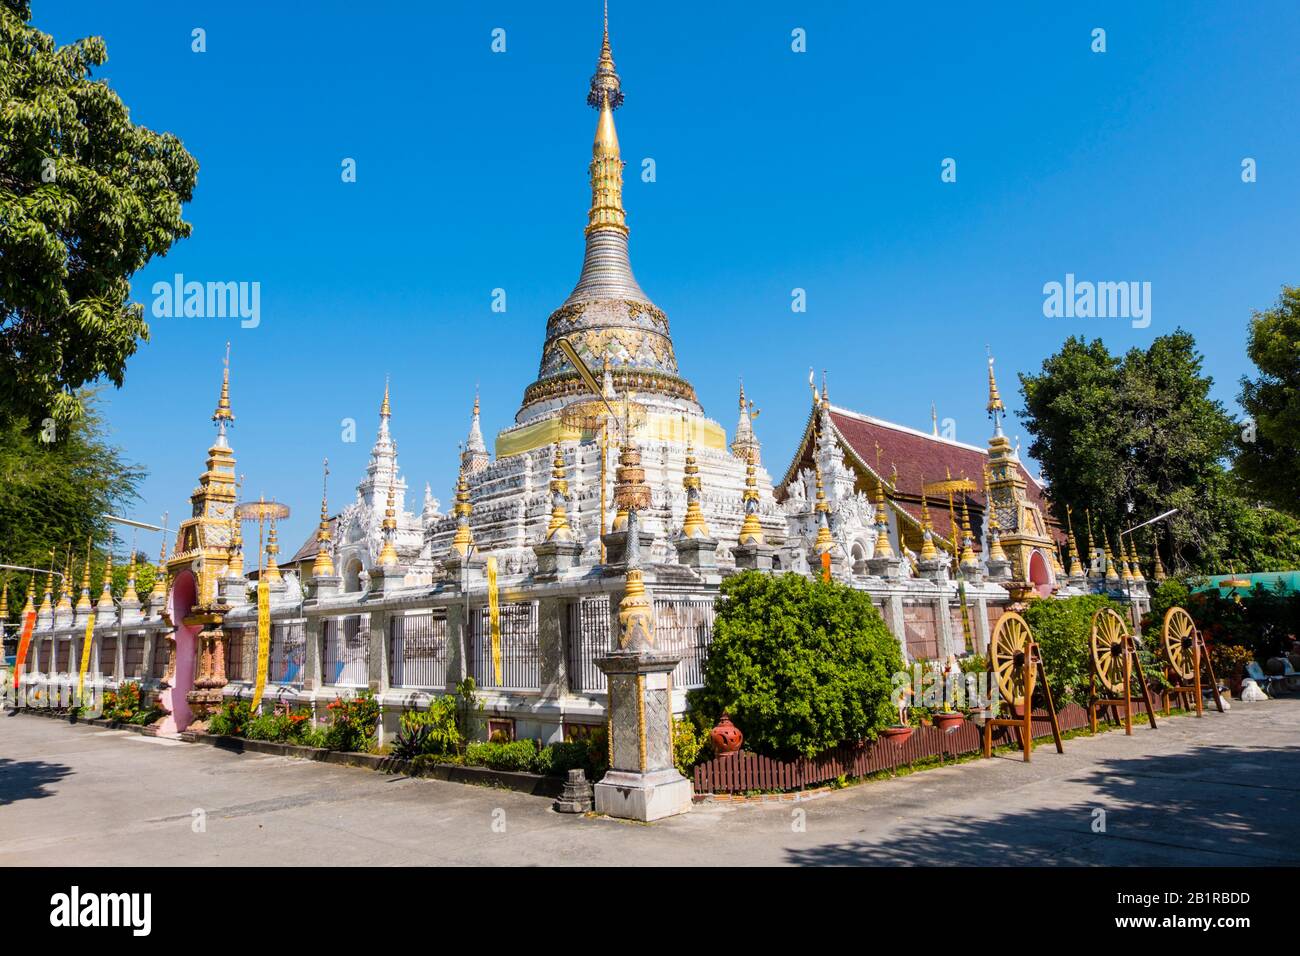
point(1290, 581)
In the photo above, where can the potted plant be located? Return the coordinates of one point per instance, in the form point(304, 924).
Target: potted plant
point(903, 730)
point(950, 716)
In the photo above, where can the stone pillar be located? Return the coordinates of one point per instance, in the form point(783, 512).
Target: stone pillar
point(755, 557)
point(555, 558)
point(553, 664)
point(313, 636)
point(943, 615)
point(377, 653)
point(457, 645)
point(642, 782)
point(981, 624)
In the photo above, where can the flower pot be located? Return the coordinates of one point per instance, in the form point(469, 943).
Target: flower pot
point(726, 737)
point(949, 722)
point(898, 735)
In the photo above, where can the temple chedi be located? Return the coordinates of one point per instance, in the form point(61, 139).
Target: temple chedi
point(622, 336)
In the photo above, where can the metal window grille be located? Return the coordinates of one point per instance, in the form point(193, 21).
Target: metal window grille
point(588, 638)
point(346, 640)
point(162, 649)
point(133, 663)
point(519, 668)
point(108, 655)
point(684, 626)
point(288, 653)
point(418, 649)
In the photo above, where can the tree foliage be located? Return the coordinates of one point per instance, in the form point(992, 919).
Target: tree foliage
point(53, 494)
point(1129, 438)
point(87, 198)
point(801, 665)
point(1268, 459)
point(1063, 629)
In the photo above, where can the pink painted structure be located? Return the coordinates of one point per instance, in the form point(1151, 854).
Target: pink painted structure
point(1040, 573)
point(174, 699)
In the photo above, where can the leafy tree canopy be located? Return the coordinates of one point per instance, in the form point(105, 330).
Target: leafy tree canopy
point(1129, 438)
point(86, 199)
point(801, 665)
point(1268, 461)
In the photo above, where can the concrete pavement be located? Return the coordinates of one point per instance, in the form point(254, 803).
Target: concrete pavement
point(1222, 790)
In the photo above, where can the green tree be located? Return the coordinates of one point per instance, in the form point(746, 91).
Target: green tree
point(53, 494)
point(1269, 447)
point(800, 665)
point(87, 198)
point(1133, 437)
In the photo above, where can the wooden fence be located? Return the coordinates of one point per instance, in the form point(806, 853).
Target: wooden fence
point(746, 771)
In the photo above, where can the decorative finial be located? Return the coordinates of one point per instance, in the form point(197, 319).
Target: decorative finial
point(464, 540)
point(1076, 564)
point(388, 553)
point(65, 586)
point(693, 526)
point(83, 602)
point(995, 407)
point(30, 606)
point(273, 575)
point(934, 420)
point(129, 596)
point(751, 532)
point(159, 593)
point(606, 170)
point(824, 540)
point(385, 407)
point(883, 548)
point(826, 392)
point(928, 550)
point(967, 539)
point(558, 529)
point(323, 567)
point(1112, 575)
point(1160, 568)
point(812, 384)
point(223, 415)
point(106, 595)
point(606, 88)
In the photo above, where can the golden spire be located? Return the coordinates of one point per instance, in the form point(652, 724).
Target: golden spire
point(751, 532)
point(1125, 572)
point(464, 539)
point(385, 408)
point(272, 549)
point(323, 567)
point(30, 606)
point(159, 593)
point(1160, 568)
point(606, 95)
point(558, 529)
point(1111, 573)
point(129, 596)
point(824, 541)
point(83, 602)
point(223, 414)
point(826, 392)
point(106, 595)
point(1133, 560)
point(996, 553)
point(694, 525)
point(65, 586)
point(883, 547)
point(388, 553)
point(1088, 514)
point(4, 603)
point(928, 550)
point(967, 539)
point(934, 420)
point(1076, 565)
point(46, 606)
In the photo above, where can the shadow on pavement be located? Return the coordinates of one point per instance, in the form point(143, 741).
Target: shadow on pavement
point(1220, 805)
point(28, 779)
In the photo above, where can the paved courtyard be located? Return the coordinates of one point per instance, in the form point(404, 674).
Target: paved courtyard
point(1217, 791)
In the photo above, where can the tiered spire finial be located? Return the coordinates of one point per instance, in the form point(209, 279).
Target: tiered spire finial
point(83, 602)
point(464, 539)
point(106, 595)
point(558, 529)
point(996, 553)
point(272, 549)
point(46, 605)
point(606, 95)
point(1133, 560)
point(1112, 574)
point(967, 538)
point(745, 441)
point(824, 540)
point(995, 407)
point(751, 532)
point(883, 547)
point(1160, 568)
point(1076, 565)
point(928, 551)
point(129, 596)
point(65, 586)
point(159, 593)
point(323, 567)
point(694, 525)
point(388, 553)
point(30, 606)
point(223, 415)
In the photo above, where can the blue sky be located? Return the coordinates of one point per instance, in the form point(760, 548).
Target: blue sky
point(775, 170)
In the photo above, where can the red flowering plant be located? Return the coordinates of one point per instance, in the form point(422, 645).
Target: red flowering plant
point(353, 722)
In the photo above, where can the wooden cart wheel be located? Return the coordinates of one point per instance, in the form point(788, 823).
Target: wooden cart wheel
point(1178, 636)
point(1007, 649)
point(1109, 634)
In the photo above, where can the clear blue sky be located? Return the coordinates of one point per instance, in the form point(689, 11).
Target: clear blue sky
point(775, 170)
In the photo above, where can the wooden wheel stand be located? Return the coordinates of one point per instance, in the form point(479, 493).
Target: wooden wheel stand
point(1186, 656)
point(1015, 664)
point(1114, 663)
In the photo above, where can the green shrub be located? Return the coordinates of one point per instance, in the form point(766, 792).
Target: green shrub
point(559, 759)
point(688, 742)
point(353, 722)
point(432, 731)
point(518, 755)
point(231, 720)
point(801, 665)
point(1063, 629)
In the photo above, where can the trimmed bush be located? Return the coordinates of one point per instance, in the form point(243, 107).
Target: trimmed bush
point(1063, 629)
point(801, 665)
point(518, 755)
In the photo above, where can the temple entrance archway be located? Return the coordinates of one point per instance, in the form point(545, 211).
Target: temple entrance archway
point(1040, 573)
point(184, 592)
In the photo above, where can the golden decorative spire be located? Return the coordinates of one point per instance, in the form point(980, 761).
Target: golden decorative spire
point(106, 595)
point(995, 407)
point(967, 539)
point(1133, 560)
point(272, 549)
point(824, 540)
point(1125, 572)
point(606, 95)
point(883, 547)
point(65, 586)
point(129, 596)
point(1076, 565)
point(1160, 568)
point(928, 550)
point(996, 553)
point(388, 553)
point(323, 567)
point(934, 420)
point(826, 392)
point(83, 602)
point(158, 595)
point(46, 606)
point(30, 606)
point(694, 525)
point(1112, 575)
point(558, 529)
point(1091, 547)
point(223, 415)
point(464, 539)
point(4, 603)
point(751, 532)
point(385, 408)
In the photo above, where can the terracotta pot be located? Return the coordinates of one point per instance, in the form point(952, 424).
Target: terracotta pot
point(898, 735)
point(949, 722)
point(726, 737)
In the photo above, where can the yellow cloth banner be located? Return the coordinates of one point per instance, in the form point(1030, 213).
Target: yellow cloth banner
point(494, 618)
point(85, 655)
point(263, 641)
